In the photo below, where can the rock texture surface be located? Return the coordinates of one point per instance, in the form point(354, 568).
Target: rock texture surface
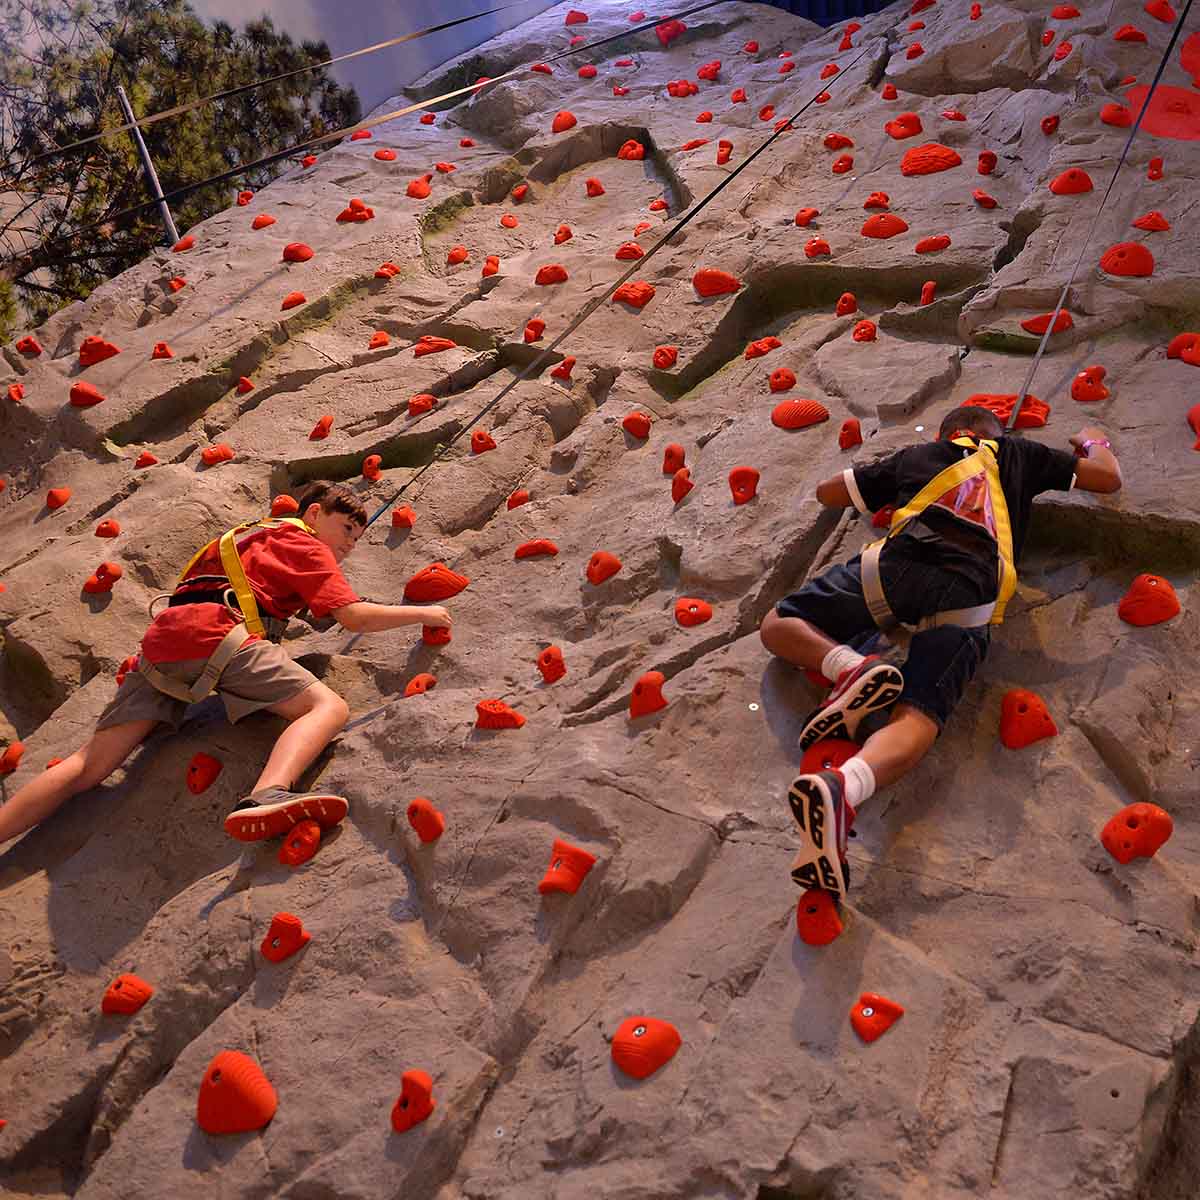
point(1050, 1026)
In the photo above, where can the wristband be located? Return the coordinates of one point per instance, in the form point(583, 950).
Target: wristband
point(1089, 442)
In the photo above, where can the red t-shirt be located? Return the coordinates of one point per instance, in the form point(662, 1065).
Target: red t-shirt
point(287, 569)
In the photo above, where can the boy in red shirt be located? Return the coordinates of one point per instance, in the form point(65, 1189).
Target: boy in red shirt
point(288, 569)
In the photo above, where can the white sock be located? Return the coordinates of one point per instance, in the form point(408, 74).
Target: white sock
point(837, 660)
point(860, 781)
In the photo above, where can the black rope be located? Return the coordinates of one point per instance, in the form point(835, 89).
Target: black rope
point(627, 274)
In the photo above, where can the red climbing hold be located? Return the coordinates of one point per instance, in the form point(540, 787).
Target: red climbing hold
point(482, 441)
point(419, 189)
point(29, 346)
point(889, 92)
point(673, 458)
point(1024, 719)
point(300, 844)
point(850, 434)
point(360, 135)
point(284, 506)
point(843, 164)
point(816, 247)
point(668, 31)
point(817, 919)
point(642, 1045)
point(709, 281)
point(426, 820)
point(782, 379)
point(846, 305)
point(1150, 600)
point(635, 293)
point(694, 144)
point(767, 112)
point(987, 162)
point(798, 414)
point(681, 484)
point(1117, 115)
point(1061, 51)
point(1041, 323)
point(601, 566)
point(928, 159)
point(762, 346)
point(184, 243)
point(418, 685)
point(928, 291)
point(428, 344)
point(593, 187)
point(537, 548)
point(637, 424)
point(125, 995)
point(1185, 346)
point(884, 225)
point(691, 611)
point(568, 868)
point(284, 937)
point(434, 635)
point(874, 1015)
point(1152, 222)
point(837, 141)
point(202, 772)
point(906, 125)
point(564, 368)
point(491, 265)
point(1155, 169)
point(930, 245)
point(455, 255)
point(291, 300)
point(864, 331)
point(57, 497)
point(370, 467)
point(704, 118)
point(308, 160)
point(95, 349)
point(385, 155)
point(146, 459)
point(629, 252)
point(877, 200)
point(519, 497)
point(415, 1102)
point(724, 150)
point(647, 696)
point(434, 583)
point(1160, 10)
point(983, 199)
point(1137, 831)
point(403, 517)
point(321, 429)
point(1127, 258)
point(805, 216)
point(212, 455)
point(914, 51)
point(1129, 33)
point(386, 270)
point(379, 339)
point(575, 17)
point(563, 121)
point(101, 581)
point(356, 210)
point(534, 328)
point(738, 96)
point(1088, 385)
point(632, 151)
point(665, 357)
point(495, 714)
point(1049, 124)
point(84, 395)
point(427, 118)
point(235, 1095)
point(245, 385)
point(10, 760)
point(550, 663)
point(108, 529)
point(743, 483)
point(551, 273)
point(659, 205)
point(1072, 182)
point(1033, 412)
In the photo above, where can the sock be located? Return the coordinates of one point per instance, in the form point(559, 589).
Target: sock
point(860, 781)
point(837, 660)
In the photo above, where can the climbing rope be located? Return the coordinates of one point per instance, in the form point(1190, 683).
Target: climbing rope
point(625, 275)
point(1037, 358)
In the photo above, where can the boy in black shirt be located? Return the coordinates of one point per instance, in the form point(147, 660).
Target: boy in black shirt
point(943, 572)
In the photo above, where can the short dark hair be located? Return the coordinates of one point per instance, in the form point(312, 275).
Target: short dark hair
point(974, 417)
point(333, 497)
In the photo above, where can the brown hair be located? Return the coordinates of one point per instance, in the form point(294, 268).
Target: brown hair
point(974, 417)
point(333, 497)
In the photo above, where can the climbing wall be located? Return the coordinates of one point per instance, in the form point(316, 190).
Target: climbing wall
point(636, 505)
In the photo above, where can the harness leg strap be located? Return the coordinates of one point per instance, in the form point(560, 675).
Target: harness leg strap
point(206, 682)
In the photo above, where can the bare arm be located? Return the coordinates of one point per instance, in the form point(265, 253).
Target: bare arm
point(833, 492)
point(365, 617)
point(1099, 470)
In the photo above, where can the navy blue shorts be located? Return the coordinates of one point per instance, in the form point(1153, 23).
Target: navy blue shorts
point(941, 661)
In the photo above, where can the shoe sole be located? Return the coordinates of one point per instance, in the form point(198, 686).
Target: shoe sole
point(273, 820)
point(875, 689)
point(818, 864)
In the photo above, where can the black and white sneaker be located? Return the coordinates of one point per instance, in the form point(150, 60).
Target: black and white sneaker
point(872, 685)
point(824, 818)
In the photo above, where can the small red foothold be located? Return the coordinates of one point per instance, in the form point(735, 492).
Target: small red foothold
point(146, 459)
point(914, 51)
point(403, 517)
point(884, 225)
point(632, 151)
point(95, 349)
point(805, 216)
point(534, 329)
point(842, 164)
point(1088, 385)
point(550, 274)
point(321, 429)
point(704, 118)
point(482, 441)
point(889, 92)
point(1024, 719)
point(202, 772)
point(817, 919)
point(659, 205)
point(495, 714)
point(284, 937)
point(491, 265)
point(454, 256)
point(816, 247)
point(300, 844)
point(550, 663)
point(519, 497)
point(743, 483)
point(1152, 222)
point(983, 199)
point(16, 392)
point(184, 243)
point(724, 150)
point(635, 293)
point(1160, 10)
point(1150, 600)
point(428, 344)
point(29, 346)
point(629, 251)
point(108, 529)
point(84, 395)
point(125, 995)
point(1041, 323)
point(637, 424)
point(642, 1045)
point(593, 187)
point(673, 458)
point(1155, 169)
point(1137, 831)
point(647, 696)
point(762, 346)
point(1186, 347)
point(426, 820)
point(874, 1015)
point(284, 506)
point(850, 434)
point(418, 685)
point(564, 368)
point(536, 548)
point(846, 304)
point(709, 281)
point(681, 484)
point(906, 125)
point(782, 379)
point(162, 350)
point(930, 245)
point(415, 1102)
point(10, 760)
point(101, 581)
point(928, 291)
point(57, 497)
point(1116, 115)
point(386, 270)
point(435, 635)
point(691, 611)
point(864, 331)
point(291, 300)
point(562, 121)
point(371, 467)
point(568, 868)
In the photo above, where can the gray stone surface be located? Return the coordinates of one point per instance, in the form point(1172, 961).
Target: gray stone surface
point(1050, 1029)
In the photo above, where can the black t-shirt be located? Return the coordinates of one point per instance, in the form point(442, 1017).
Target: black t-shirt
point(1026, 469)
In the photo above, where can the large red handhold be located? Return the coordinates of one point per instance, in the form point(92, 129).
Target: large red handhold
point(202, 772)
point(108, 529)
point(1127, 258)
point(1160, 10)
point(297, 252)
point(850, 434)
point(798, 414)
point(495, 714)
point(1137, 831)
point(549, 274)
point(843, 164)
point(1033, 412)
point(817, 919)
point(84, 395)
point(743, 483)
point(562, 234)
point(1041, 323)
point(1072, 182)
point(668, 31)
point(575, 17)
point(1116, 115)
point(874, 1015)
point(550, 663)
point(1150, 600)
point(805, 217)
point(884, 225)
point(837, 141)
point(691, 611)
point(415, 1102)
point(709, 281)
point(428, 344)
point(782, 379)
point(262, 221)
point(538, 547)
point(928, 159)
point(284, 937)
point(435, 635)
point(482, 441)
point(642, 1045)
point(1024, 719)
point(101, 581)
point(647, 696)
point(235, 1095)
point(434, 583)
point(635, 293)
point(95, 349)
point(1088, 385)
point(562, 122)
point(636, 424)
point(403, 517)
point(568, 868)
point(601, 566)
point(426, 820)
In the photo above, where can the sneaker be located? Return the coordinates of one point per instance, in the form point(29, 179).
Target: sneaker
point(274, 811)
point(824, 818)
point(872, 685)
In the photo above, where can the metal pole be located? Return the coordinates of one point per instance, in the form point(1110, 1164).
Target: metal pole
point(151, 174)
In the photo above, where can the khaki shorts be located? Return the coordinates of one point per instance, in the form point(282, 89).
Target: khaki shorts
point(258, 675)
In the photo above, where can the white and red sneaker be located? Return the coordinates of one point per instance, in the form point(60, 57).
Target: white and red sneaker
point(872, 685)
point(819, 808)
point(273, 811)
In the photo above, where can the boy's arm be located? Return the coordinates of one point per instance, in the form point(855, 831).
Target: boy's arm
point(1097, 470)
point(364, 617)
point(834, 493)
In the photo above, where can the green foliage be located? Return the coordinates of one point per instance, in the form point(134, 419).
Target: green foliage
point(60, 64)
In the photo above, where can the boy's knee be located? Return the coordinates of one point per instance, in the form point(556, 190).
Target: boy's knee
point(338, 709)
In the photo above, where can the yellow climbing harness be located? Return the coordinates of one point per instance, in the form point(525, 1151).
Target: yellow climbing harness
point(244, 607)
point(970, 490)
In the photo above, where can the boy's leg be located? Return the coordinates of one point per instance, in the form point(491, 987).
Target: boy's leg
point(90, 765)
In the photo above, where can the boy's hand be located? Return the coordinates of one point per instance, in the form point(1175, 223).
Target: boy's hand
point(1088, 431)
point(436, 616)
